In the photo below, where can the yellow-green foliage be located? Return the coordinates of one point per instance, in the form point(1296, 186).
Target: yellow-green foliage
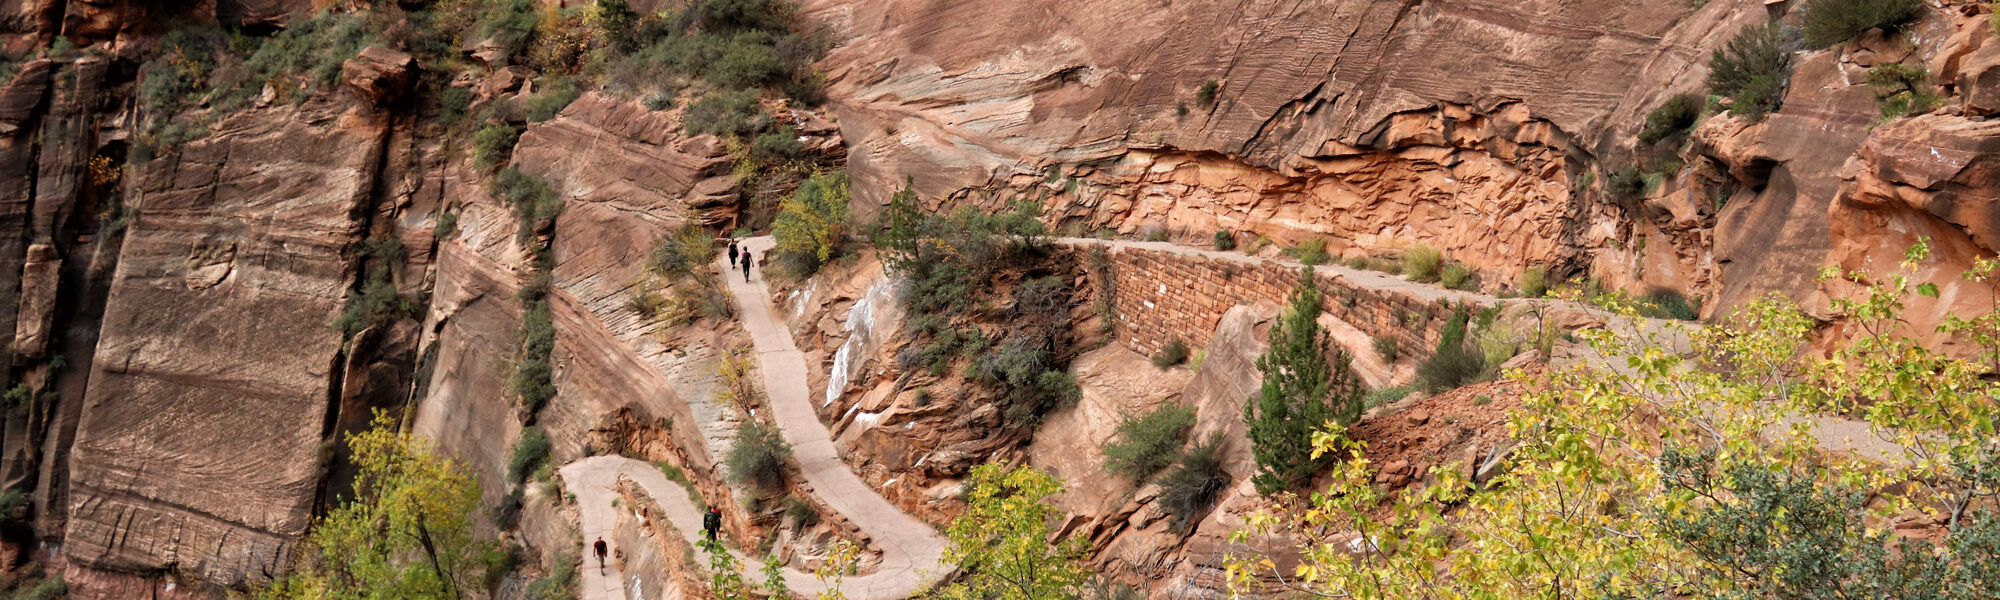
point(407, 532)
point(1422, 263)
point(811, 224)
point(1694, 475)
point(1002, 544)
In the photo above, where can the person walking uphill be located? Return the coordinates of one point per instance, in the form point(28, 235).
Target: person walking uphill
point(601, 551)
point(732, 253)
point(747, 259)
point(711, 522)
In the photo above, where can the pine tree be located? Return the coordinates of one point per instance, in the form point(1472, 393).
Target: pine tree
point(1302, 391)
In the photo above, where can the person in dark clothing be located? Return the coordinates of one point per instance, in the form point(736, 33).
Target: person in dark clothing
point(732, 253)
point(602, 549)
point(711, 522)
point(746, 266)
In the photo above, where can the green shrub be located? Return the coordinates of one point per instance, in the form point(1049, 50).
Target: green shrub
point(1173, 353)
point(1144, 444)
point(535, 205)
point(811, 224)
point(779, 145)
point(1455, 364)
point(801, 512)
point(1902, 89)
point(1533, 282)
point(533, 381)
point(1422, 263)
point(1751, 70)
point(1224, 240)
point(1670, 304)
point(1194, 484)
point(550, 101)
point(1387, 395)
point(747, 60)
point(1302, 390)
point(311, 50)
point(726, 113)
point(560, 584)
point(510, 24)
point(681, 252)
point(659, 101)
point(1457, 277)
point(530, 452)
point(1829, 22)
point(1671, 118)
point(1388, 348)
point(1207, 95)
point(1156, 233)
point(759, 456)
point(492, 144)
point(1312, 252)
point(1625, 184)
point(453, 105)
point(376, 304)
point(52, 588)
point(446, 226)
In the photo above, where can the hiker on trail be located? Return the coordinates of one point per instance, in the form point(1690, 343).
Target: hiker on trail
point(711, 522)
point(732, 253)
point(746, 266)
point(601, 551)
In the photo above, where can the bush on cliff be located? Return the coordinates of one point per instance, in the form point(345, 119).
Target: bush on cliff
point(1302, 391)
point(811, 225)
point(759, 457)
point(1194, 484)
point(492, 144)
point(1422, 263)
point(1902, 89)
point(1671, 118)
point(535, 204)
point(1455, 363)
point(1829, 22)
point(529, 453)
point(1174, 353)
point(407, 532)
point(1146, 443)
point(1751, 70)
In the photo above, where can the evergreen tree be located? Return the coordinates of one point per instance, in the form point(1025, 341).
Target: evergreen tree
point(1302, 391)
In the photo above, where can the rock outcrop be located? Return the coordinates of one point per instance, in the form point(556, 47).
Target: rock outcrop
point(1934, 177)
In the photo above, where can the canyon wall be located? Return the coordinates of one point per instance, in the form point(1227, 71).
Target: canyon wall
point(1486, 129)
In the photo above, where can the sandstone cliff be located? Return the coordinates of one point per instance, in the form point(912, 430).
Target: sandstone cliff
point(1481, 128)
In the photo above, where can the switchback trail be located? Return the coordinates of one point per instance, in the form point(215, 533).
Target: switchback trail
point(912, 552)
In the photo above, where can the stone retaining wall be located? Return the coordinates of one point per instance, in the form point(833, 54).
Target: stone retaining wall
point(1165, 295)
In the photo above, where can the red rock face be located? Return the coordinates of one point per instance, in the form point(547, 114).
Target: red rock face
point(196, 449)
point(1466, 126)
point(1381, 123)
point(1935, 177)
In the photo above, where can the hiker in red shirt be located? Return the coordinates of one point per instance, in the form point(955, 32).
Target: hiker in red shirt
point(601, 551)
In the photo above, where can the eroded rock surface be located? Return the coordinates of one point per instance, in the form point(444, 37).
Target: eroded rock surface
point(196, 450)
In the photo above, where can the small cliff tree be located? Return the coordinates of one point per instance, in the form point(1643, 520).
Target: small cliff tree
point(1302, 391)
point(407, 533)
point(1002, 543)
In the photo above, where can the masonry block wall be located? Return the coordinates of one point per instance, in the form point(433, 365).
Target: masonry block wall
point(1165, 295)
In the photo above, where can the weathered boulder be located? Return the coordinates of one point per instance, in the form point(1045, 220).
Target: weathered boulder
point(196, 452)
point(379, 75)
point(1979, 81)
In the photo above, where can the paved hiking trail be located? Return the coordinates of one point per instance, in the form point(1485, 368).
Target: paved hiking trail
point(912, 552)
